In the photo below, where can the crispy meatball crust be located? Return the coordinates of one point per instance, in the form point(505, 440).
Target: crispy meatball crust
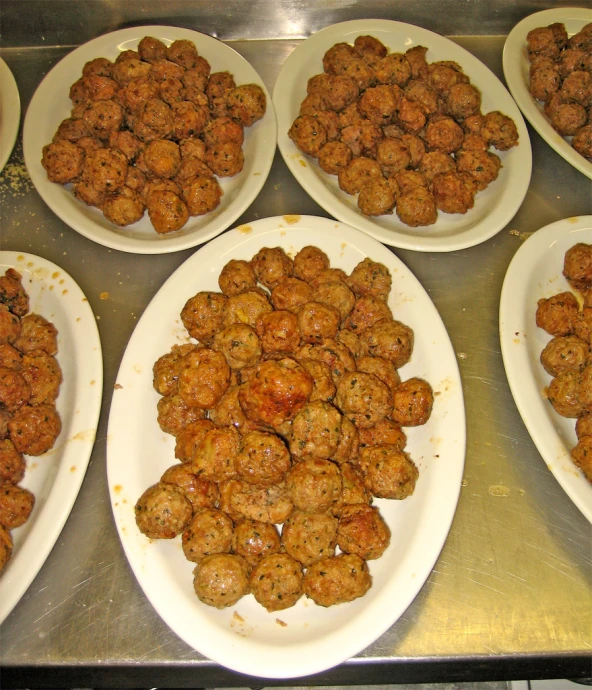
point(385, 431)
point(220, 580)
point(581, 454)
point(271, 504)
point(240, 344)
point(370, 278)
point(276, 581)
point(246, 104)
point(557, 314)
point(253, 540)
point(358, 172)
point(12, 463)
point(237, 276)
point(44, 376)
point(37, 333)
point(174, 414)
point(12, 293)
point(417, 207)
point(279, 331)
point(167, 211)
point(377, 198)
point(163, 511)
point(388, 471)
point(577, 266)
point(215, 455)
point(165, 371)
point(247, 307)
point(34, 430)
point(308, 537)
point(291, 293)
point(14, 390)
point(5, 547)
point(314, 485)
point(368, 310)
point(63, 161)
point(563, 394)
point(208, 532)
point(337, 579)
point(362, 531)
point(412, 402)
point(10, 326)
point(189, 438)
point(317, 321)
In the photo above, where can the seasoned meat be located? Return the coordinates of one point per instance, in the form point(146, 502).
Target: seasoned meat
point(314, 485)
point(308, 537)
point(208, 532)
point(363, 398)
point(276, 581)
point(412, 402)
point(220, 580)
point(34, 430)
point(263, 459)
point(163, 511)
point(388, 471)
point(200, 492)
point(557, 314)
point(362, 531)
point(253, 540)
point(16, 504)
point(337, 579)
point(316, 431)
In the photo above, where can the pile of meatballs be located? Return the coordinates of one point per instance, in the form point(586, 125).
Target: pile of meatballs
point(561, 77)
point(403, 134)
point(288, 411)
point(30, 380)
point(153, 131)
point(567, 356)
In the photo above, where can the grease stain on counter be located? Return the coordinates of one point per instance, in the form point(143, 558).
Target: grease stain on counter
point(499, 490)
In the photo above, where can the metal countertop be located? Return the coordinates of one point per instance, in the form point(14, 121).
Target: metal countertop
point(510, 595)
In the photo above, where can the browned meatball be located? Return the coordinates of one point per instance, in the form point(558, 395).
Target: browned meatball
point(162, 157)
point(421, 93)
point(246, 104)
point(34, 430)
point(276, 581)
point(412, 402)
point(367, 311)
point(563, 353)
point(453, 192)
point(203, 315)
point(12, 463)
point(358, 172)
point(407, 180)
point(499, 130)
point(240, 344)
point(105, 169)
point(365, 45)
point(102, 118)
point(363, 398)
point(101, 66)
point(72, 129)
point(182, 52)
point(309, 134)
point(565, 115)
point(582, 141)
point(577, 86)
point(362, 531)
point(10, 325)
point(14, 390)
point(275, 392)
point(203, 378)
point(5, 547)
point(253, 540)
point(393, 155)
point(123, 207)
point(377, 198)
point(37, 333)
point(334, 156)
point(279, 331)
point(154, 120)
point(151, 49)
point(378, 104)
point(410, 116)
point(237, 276)
point(174, 414)
point(350, 340)
point(383, 369)
point(219, 84)
point(393, 69)
point(167, 211)
point(337, 579)
point(324, 388)
point(317, 321)
point(563, 394)
point(225, 159)
point(290, 294)
point(220, 580)
point(200, 492)
point(316, 431)
point(581, 454)
point(577, 265)
point(483, 166)
point(557, 314)
point(544, 82)
point(583, 324)
point(12, 293)
point(163, 511)
point(263, 459)
point(390, 339)
point(202, 195)
point(585, 388)
point(63, 161)
point(270, 504)
point(444, 134)
point(443, 75)
point(215, 455)
point(362, 137)
point(208, 532)
point(385, 431)
point(336, 294)
point(44, 376)
point(10, 357)
point(308, 537)
point(463, 100)
point(336, 355)
point(189, 438)
point(353, 491)
point(271, 266)
point(388, 471)
point(370, 278)
point(16, 504)
point(314, 485)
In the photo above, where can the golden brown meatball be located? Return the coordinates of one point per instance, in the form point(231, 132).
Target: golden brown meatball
point(272, 265)
point(163, 511)
point(34, 430)
point(12, 463)
point(316, 431)
point(577, 266)
point(271, 504)
point(154, 120)
point(225, 159)
point(37, 333)
point(362, 531)
point(16, 504)
point(390, 339)
point(14, 390)
point(337, 579)
point(314, 485)
point(12, 293)
point(72, 129)
point(101, 66)
point(162, 157)
point(123, 207)
point(385, 431)
point(174, 414)
point(443, 134)
point(499, 131)
point(220, 580)
point(223, 129)
point(246, 104)
point(189, 438)
point(412, 402)
point(358, 172)
point(203, 315)
point(102, 118)
point(363, 398)
point(247, 307)
point(105, 169)
point(10, 326)
point(240, 344)
point(5, 547)
point(63, 161)
point(202, 194)
point(308, 537)
point(581, 454)
point(253, 540)
point(585, 388)
point(564, 352)
point(383, 369)
point(336, 355)
point(368, 310)
point(203, 378)
point(200, 492)
point(563, 394)
point(215, 454)
point(544, 82)
point(151, 49)
point(557, 314)
point(237, 276)
point(370, 278)
point(167, 211)
point(388, 471)
point(290, 294)
point(394, 68)
point(582, 141)
point(443, 75)
point(377, 198)
point(362, 137)
point(276, 581)
point(349, 443)
point(309, 134)
point(324, 388)
point(463, 100)
point(317, 321)
point(334, 156)
point(208, 532)
point(279, 331)
point(452, 193)
point(263, 459)
point(44, 376)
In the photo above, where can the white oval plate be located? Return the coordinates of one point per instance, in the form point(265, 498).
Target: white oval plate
point(51, 104)
point(55, 478)
point(10, 113)
point(306, 638)
point(494, 207)
point(516, 67)
point(536, 272)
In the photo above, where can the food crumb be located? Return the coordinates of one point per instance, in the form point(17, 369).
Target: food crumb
point(238, 617)
point(291, 219)
point(281, 622)
point(104, 295)
point(117, 386)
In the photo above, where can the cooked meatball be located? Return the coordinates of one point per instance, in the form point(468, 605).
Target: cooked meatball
point(336, 294)
point(34, 430)
point(246, 104)
point(271, 266)
point(317, 321)
point(334, 156)
point(314, 485)
point(151, 49)
point(37, 333)
point(566, 116)
point(564, 352)
point(557, 314)
point(581, 454)
point(316, 431)
point(362, 531)
point(388, 471)
point(167, 211)
point(483, 166)
point(544, 82)
point(275, 392)
point(174, 414)
point(377, 198)
point(363, 398)
point(385, 431)
point(183, 52)
point(63, 161)
point(44, 376)
point(12, 293)
point(463, 100)
point(577, 266)
point(247, 307)
point(369, 45)
point(276, 581)
point(154, 120)
point(443, 75)
point(89, 194)
point(16, 504)
point(378, 104)
point(390, 339)
point(383, 369)
point(10, 326)
point(162, 157)
point(263, 459)
point(101, 66)
point(202, 195)
point(253, 540)
point(420, 92)
point(279, 331)
point(5, 547)
point(240, 344)
point(163, 511)
point(219, 84)
point(585, 388)
point(189, 438)
point(10, 357)
point(208, 532)
point(225, 159)
point(200, 492)
point(368, 310)
point(72, 129)
point(127, 143)
point(358, 172)
point(270, 504)
point(221, 130)
point(203, 315)
point(410, 116)
point(412, 402)
point(203, 378)
point(563, 394)
point(578, 87)
point(583, 324)
point(324, 388)
point(336, 355)
point(337, 579)
point(499, 130)
point(393, 155)
point(215, 455)
point(137, 92)
point(348, 444)
point(165, 371)
point(362, 137)
point(123, 207)
point(14, 390)
point(452, 193)
point(237, 276)
point(582, 141)
point(350, 340)
point(105, 169)
point(393, 69)
point(308, 537)
point(444, 134)
point(290, 294)
point(370, 278)
point(220, 580)
point(12, 463)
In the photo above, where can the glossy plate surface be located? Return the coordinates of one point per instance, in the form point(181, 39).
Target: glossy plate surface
point(306, 638)
point(494, 207)
point(51, 104)
point(10, 113)
point(516, 71)
point(536, 272)
point(55, 478)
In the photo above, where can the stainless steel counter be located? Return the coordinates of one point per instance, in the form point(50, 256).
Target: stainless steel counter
point(510, 595)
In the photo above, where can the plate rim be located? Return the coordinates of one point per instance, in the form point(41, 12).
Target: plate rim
point(291, 667)
point(65, 487)
point(337, 208)
point(513, 60)
point(159, 244)
point(515, 357)
point(10, 109)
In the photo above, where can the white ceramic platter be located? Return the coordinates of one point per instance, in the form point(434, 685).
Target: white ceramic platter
point(55, 478)
point(51, 104)
point(516, 71)
point(536, 272)
point(306, 638)
point(10, 113)
point(494, 207)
